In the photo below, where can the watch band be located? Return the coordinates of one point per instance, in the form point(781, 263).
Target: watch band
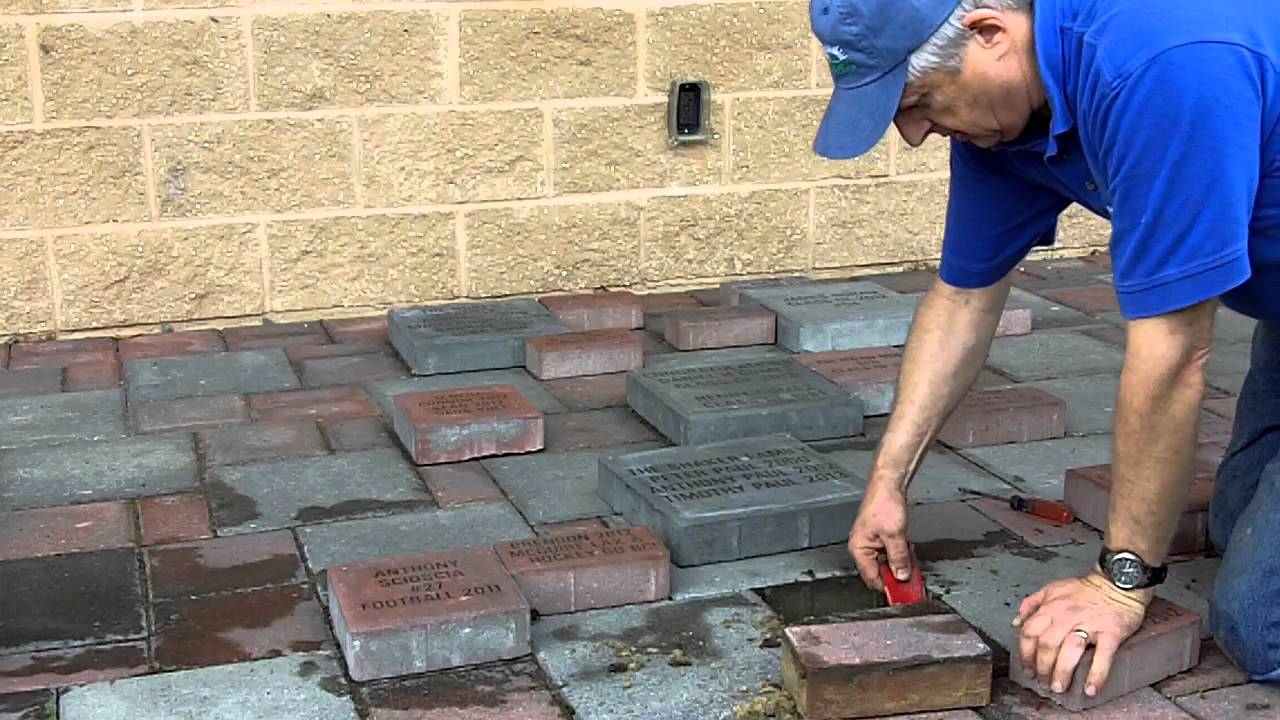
point(1127, 571)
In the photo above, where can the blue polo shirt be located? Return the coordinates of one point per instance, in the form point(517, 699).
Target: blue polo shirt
point(1164, 120)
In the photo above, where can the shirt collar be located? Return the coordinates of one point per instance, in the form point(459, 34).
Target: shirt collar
point(1047, 24)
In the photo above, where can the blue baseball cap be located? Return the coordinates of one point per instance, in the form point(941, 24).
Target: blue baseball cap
point(867, 44)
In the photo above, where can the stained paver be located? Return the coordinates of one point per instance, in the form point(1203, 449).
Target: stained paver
point(1227, 367)
point(285, 493)
point(1051, 355)
point(205, 374)
point(707, 328)
point(516, 689)
point(274, 335)
point(533, 391)
point(92, 471)
point(173, 518)
point(1046, 314)
point(355, 434)
point(66, 417)
point(71, 666)
point(1010, 702)
point(66, 529)
point(722, 661)
point(225, 564)
point(261, 442)
point(35, 705)
point(555, 487)
point(464, 483)
point(296, 686)
point(690, 358)
point(30, 383)
point(1214, 671)
point(1039, 468)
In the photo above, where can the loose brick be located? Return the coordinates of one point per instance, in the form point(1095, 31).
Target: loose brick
point(1010, 415)
point(15, 101)
point(100, 375)
point(1088, 491)
point(836, 316)
point(870, 373)
point(225, 564)
point(170, 344)
point(358, 330)
point(30, 383)
point(597, 311)
point(772, 141)
point(257, 442)
point(349, 369)
point(173, 518)
point(462, 337)
point(894, 222)
point(725, 233)
point(1167, 643)
point(464, 483)
point(717, 327)
point(324, 404)
point(505, 158)
point(352, 59)
point(201, 175)
point(71, 666)
point(356, 434)
point(451, 425)
point(591, 392)
point(199, 413)
point(274, 335)
point(64, 177)
point(764, 46)
point(555, 41)
point(839, 670)
point(592, 352)
point(427, 612)
point(62, 530)
point(589, 569)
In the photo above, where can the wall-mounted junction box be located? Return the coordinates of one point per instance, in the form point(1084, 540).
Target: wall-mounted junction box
point(689, 112)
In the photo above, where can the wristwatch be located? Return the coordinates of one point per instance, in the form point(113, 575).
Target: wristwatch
point(1127, 571)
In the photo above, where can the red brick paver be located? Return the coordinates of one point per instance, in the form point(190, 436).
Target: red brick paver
point(465, 483)
point(1010, 415)
point(568, 527)
point(607, 427)
point(66, 529)
point(171, 344)
point(443, 426)
point(61, 353)
point(590, 393)
point(239, 562)
point(323, 404)
point(197, 413)
point(173, 518)
point(74, 666)
point(274, 335)
point(594, 352)
point(1088, 491)
point(596, 311)
point(515, 691)
point(358, 330)
point(718, 327)
point(93, 375)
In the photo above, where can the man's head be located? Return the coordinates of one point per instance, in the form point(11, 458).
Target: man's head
point(957, 68)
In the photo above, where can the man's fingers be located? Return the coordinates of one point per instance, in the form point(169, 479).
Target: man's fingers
point(1073, 648)
point(1047, 649)
point(1107, 644)
point(895, 546)
point(1029, 606)
point(867, 559)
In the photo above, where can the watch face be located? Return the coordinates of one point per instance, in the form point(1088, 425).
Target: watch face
point(1126, 572)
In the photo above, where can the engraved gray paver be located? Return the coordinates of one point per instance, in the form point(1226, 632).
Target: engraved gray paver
point(719, 636)
point(837, 316)
point(81, 472)
point(46, 419)
point(734, 499)
point(1050, 355)
point(383, 393)
point(463, 337)
point(309, 686)
point(1040, 467)
point(205, 374)
point(555, 487)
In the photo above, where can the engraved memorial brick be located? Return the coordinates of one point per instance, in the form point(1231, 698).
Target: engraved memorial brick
point(597, 311)
point(418, 613)
point(461, 337)
point(837, 316)
point(731, 500)
point(719, 401)
point(731, 292)
point(1167, 643)
point(589, 569)
point(1088, 491)
point(876, 666)
point(593, 352)
point(1007, 415)
point(870, 373)
point(718, 327)
point(442, 426)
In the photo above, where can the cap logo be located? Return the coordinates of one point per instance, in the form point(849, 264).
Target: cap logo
point(838, 59)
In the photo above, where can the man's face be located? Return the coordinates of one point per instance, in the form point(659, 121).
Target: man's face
point(989, 100)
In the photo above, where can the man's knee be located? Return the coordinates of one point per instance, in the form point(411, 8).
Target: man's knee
point(1246, 627)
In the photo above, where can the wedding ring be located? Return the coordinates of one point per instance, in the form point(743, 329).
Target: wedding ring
point(1084, 634)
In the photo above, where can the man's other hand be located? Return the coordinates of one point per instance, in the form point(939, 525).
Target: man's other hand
point(881, 527)
point(1050, 649)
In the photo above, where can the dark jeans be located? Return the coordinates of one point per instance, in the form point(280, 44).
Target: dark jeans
point(1244, 520)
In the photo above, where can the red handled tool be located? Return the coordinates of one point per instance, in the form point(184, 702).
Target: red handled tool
point(899, 592)
point(1047, 509)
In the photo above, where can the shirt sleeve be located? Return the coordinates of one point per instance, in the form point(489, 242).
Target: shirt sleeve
point(1180, 142)
point(994, 218)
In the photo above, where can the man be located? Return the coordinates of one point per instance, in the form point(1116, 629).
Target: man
point(1162, 117)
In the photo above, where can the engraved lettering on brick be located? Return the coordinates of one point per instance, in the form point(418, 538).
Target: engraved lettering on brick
point(696, 480)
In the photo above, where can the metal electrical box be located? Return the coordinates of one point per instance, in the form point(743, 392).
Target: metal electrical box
point(689, 112)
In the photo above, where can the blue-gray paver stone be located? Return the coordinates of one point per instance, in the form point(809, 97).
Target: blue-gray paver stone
point(756, 572)
point(462, 337)
point(82, 472)
point(1049, 355)
point(730, 292)
point(734, 499)
point(280, 494)
point(1040, 467)
point(554, 487)
point(725, 400)
point(47, 419)
point(837, 316)
point(309, 686)
point(205, 374)
point(720, 637)
point(384, 393)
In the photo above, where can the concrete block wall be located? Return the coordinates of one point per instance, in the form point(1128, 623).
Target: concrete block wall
point(216, 161)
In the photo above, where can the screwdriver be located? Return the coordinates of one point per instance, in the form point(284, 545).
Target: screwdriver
point(1047, 509)
point(901, 592)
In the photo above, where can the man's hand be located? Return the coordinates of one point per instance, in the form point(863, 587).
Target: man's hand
point(1049, 648)
point(881, 527)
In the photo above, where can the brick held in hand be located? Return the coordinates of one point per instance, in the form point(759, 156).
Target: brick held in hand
point(1006, 415)
point(1167, 643)
point(878, 666)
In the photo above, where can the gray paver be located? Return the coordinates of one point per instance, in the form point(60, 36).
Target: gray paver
point(738, 575)
point(1254, 701)
point(837, 316)
point(734, 499)
point(1190, 584)
point(707, 357)
point(1232, 327)
point(719, 636)
point(1227, 366)
point(939, 478)
point(83, 472)
point(307, 686)
point(462, 337)
point(1046, 314)
point(555, 487)
point(273, 495)
point(1050, 355)
point(205, 374)
point(383, 393)
point(1040, 467)
point(725, 400)
point(415, 533)
point(45, 419)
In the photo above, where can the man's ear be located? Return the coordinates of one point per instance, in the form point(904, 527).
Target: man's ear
point(989, 28)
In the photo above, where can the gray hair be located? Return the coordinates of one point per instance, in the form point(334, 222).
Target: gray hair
point(944, 50)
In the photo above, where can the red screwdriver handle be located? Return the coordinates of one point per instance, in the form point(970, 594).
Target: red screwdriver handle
point(902, 593)
point(1047, 509)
